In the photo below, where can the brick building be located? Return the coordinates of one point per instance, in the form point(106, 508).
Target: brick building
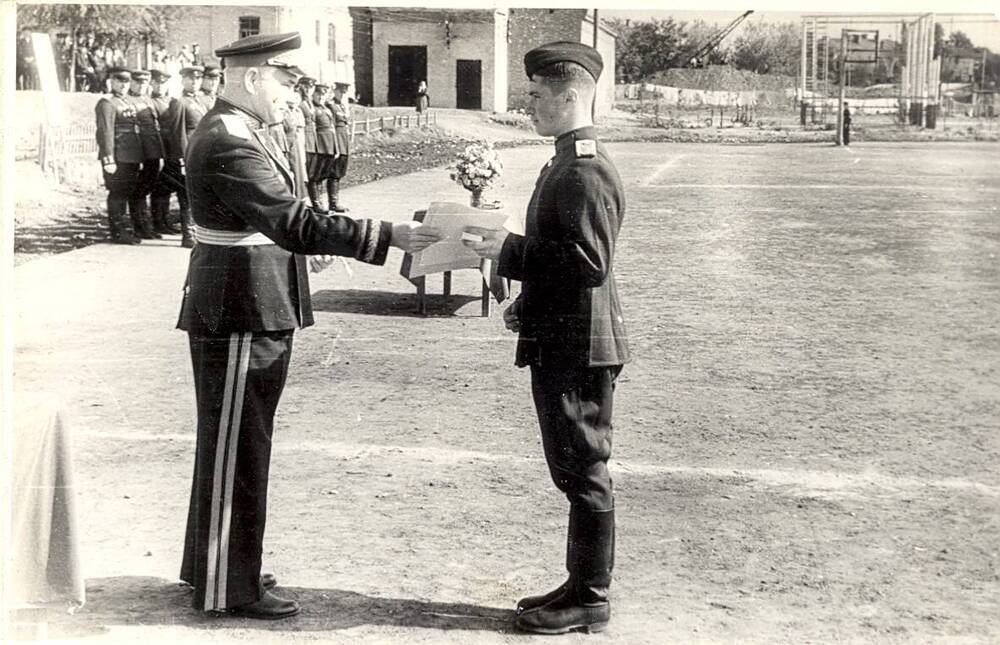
point(470, 59)
point(327, 33)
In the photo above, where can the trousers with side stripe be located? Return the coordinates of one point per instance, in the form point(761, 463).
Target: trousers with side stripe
point(238, 381)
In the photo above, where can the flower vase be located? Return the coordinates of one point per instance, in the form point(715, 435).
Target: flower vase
point(476, 199)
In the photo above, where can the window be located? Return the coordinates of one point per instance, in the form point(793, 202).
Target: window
point(331, 42)
point(249, 26)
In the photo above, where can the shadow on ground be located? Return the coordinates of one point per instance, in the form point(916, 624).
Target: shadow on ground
point(387, 303)
point(136, 601)
point(76, 231)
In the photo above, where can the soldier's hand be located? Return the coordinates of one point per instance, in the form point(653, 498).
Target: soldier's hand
point(318, 263)
point(512, 317)
point(413, 236)
point(491, 244)
point(110, 168)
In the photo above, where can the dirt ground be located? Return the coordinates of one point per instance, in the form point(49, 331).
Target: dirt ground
point(805, 445)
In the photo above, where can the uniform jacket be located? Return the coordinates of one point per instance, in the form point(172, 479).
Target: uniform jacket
point(168, 113)
point(206, 99)
point(118, 138)
point(310, 125)
point(191, 113)
point(341, 120)
point(294, 131)
point(569, 308)
point(326, 140)
point(149, 126)
point(237, 180)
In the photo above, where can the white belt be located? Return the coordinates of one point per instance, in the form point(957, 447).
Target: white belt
point(230, 238)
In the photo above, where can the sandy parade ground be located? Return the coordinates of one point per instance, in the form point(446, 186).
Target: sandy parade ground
point(806, 444)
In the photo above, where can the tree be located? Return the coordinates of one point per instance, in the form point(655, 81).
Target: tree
point(767, 48)
point(122, 25)
point(697, 35)
point(959, 40)
point(647, 47)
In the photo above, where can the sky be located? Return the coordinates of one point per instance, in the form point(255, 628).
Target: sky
point(981, 32)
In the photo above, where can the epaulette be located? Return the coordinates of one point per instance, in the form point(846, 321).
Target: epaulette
point(235, 126)
point(586, 148)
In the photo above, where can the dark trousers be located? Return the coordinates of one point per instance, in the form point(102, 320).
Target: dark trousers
point(171, 180)
point(238, 380)
point(574, 413)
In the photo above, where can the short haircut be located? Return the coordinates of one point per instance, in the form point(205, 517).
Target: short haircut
point(559, 76)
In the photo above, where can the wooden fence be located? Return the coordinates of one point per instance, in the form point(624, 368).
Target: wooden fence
point(58, 147)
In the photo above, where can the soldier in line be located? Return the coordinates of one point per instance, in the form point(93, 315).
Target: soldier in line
point(342, 120)
point(321, 164)
point(210, 85)
point(191, 109)
point(247, 292)
point(569, 317)
point(120, 152)
point(847, 125)
point(152, 154)
point(306, 87)
point(295, 142)
point(171, 177)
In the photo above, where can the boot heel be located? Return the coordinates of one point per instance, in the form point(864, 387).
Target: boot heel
point(596, 628)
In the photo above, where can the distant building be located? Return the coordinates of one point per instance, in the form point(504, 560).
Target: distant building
point(327, 33)
point(471, 59)
point(961, 63)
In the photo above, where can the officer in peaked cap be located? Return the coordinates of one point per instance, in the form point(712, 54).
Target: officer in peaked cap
point(210, 80)
point(152, 154)
point(247, 291)
point(191, 109)
point(171, 177)
point(572, 333)
point(119, 149)
point(341, 122)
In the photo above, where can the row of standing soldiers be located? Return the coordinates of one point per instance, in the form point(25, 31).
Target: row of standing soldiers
point(142, 135)
point(316, 138)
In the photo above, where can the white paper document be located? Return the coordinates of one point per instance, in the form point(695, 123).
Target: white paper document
point(450, 254)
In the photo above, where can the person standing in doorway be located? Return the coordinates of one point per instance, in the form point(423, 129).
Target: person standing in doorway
point(422, 99)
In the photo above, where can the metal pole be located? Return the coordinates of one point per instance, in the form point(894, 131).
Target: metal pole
point(843, 88)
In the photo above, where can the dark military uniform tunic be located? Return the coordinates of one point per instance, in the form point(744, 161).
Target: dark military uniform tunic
point(247, 291)
point(341, 120)
point(572, 329)
point(169, 113)
point(119, 142)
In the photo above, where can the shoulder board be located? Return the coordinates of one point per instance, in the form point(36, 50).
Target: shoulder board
point(586, 148)
point(235, 126)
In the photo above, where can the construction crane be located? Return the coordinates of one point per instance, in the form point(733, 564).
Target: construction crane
point(695, 59)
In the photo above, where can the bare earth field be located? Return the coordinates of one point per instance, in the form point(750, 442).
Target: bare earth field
point(806, 444)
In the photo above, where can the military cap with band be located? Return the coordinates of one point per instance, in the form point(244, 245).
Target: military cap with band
point(307, 81)
point(211, 71)
point(265, 49)
point(119, 73)
point(563, 52)
point(140, 75)
point(322, 86)
point(159, 75)
point(341, 85)
point(194, 71)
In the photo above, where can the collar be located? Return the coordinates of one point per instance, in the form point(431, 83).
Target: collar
point(252, 122)
point(567, 140)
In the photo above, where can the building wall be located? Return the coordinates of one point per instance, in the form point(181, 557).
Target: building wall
point(473, 41)
point(362, 19)
point(606, 42)
point(215, 26)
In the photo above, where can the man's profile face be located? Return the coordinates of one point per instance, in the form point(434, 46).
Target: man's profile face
point(274, 87)
point(548, 110)
point(209, 83)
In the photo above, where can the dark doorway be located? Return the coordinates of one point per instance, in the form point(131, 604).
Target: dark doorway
point(407, 67)
point(469, 84)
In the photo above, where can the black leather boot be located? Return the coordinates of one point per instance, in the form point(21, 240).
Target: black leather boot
point(313, 200)
point(269, 607)
point(533, 602)
point(141, 221)
point(159, 206)
point(333, 191)
point(583, 605)
point(121, 231)
point(187, 229)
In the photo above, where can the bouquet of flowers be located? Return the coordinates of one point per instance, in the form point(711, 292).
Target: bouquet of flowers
point(477, 168)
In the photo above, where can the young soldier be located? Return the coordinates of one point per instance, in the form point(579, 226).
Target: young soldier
point(171, 177)
point(191, 110)
point(210, 85)
point(152, 154)
point(341, 120)
point(247, 291)
point(572, 334)
point(120, 153)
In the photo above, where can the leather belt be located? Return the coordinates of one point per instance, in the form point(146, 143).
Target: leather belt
point(215, 237)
